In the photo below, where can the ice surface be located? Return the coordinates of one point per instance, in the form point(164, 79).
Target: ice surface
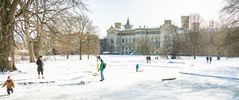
point(72, 79)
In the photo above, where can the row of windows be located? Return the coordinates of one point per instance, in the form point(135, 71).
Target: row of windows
point(133, 48)
point(133, 40)
point(128, 40)
point(128, 48)
point(128, 52)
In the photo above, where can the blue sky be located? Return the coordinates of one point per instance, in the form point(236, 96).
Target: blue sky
point(150, 13)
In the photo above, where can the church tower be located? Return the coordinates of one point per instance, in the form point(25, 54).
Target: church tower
point(185, 22)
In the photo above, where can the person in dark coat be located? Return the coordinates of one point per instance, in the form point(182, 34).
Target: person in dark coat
point(40, 65)
point(9, 84)
point(149, 59)
point(207, 58)
point(210, 59)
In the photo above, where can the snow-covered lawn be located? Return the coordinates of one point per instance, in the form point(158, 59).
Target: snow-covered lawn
point(73, 79)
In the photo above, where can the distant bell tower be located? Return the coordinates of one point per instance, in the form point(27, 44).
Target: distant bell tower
point(185, 22)
point(127, 25)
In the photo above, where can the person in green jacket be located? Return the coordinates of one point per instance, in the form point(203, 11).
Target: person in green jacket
point(102, 67)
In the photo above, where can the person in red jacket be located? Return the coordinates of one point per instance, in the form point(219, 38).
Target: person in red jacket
point(10, 85)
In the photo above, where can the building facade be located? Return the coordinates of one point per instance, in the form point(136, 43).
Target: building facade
point(125, 40)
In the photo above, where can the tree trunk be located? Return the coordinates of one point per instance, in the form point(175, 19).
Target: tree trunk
point(80, 50)
point(67, 56)
point(31, 50)
point(38, 46)
point(8, 10)
point(81, 45)
point(218, 55)
point(88, 49)
point(28, 37)
point(7, 50)
point(194, 54)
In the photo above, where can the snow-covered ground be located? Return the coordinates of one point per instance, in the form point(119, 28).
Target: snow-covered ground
point(73, 79)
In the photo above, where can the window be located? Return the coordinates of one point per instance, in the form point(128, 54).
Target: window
point(122, 40)
point(112, 41)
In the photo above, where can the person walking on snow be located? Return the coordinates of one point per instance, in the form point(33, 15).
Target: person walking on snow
point(102, 67)
point(147, 59)
point(40, 65)
point(210, 59)
point(10, 85)
point(207, 58)
point(137, 67)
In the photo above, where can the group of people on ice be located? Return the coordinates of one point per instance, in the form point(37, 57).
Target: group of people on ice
point(100, 68)
point(10, 84)
point(148, 59)
point(209, 59)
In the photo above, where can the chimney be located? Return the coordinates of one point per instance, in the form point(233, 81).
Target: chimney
point(118, 25)
point(167, 21)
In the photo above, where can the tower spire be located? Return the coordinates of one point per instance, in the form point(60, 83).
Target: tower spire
point(127, 25)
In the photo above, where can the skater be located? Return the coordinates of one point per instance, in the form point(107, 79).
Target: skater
point(10, 85)
point(137, 67)
point(207, 58)
point(210, 59)
point(149, 59)
point(40, 65)
point(102, 67)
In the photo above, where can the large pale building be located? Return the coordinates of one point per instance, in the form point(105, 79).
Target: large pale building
point(124, 39)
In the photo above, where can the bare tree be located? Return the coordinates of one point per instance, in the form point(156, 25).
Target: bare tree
point(90, 31)
point(34, 11)
point(216, 35)
point(195, 21)
point(231, 12)
point(83, 26)
point(177, 42)
point(25, 6)
point(166, 47)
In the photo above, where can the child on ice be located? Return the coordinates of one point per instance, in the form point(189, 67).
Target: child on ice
point(10, 85)
point(137, 68)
